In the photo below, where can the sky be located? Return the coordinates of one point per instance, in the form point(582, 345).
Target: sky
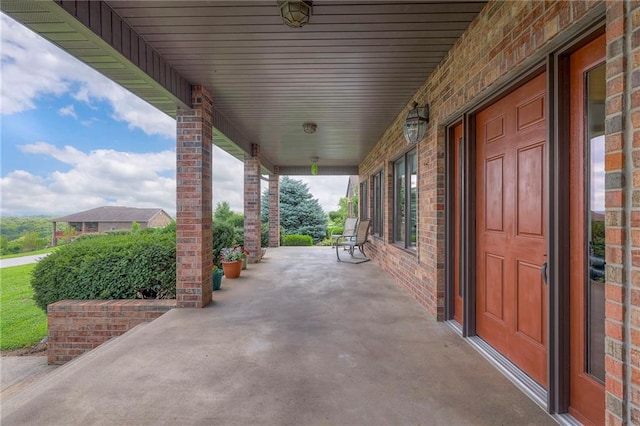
point(72, 140)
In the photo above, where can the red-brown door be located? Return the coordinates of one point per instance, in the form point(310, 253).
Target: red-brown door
point(456, 151)
point(587, 300)
point(511, 227)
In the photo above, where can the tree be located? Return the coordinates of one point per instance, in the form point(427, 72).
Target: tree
point(224, 215)
point(300, 213)
point(338, 216)
point(222, 212)
point(32, 241)
point(4, 244)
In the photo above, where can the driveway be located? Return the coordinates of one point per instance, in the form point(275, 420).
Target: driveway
point(298, 339)
point(17, 261)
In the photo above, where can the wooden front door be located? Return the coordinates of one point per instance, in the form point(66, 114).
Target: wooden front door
point(587, 232)
point(511, 227)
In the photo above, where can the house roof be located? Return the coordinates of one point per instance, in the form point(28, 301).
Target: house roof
point(111, 214)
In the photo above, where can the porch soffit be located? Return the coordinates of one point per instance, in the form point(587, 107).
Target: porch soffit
point(351, 70)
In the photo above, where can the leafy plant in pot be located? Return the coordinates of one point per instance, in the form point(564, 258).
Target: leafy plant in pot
point(232, 260)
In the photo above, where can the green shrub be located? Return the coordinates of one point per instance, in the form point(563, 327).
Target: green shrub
point(264, 235)
point(297, 240)
point(109, 267)
point(239, 241)
point(334, 230)
point(326, 242)
point(224, 235)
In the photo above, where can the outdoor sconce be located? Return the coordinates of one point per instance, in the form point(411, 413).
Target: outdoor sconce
point(295, 13)
point(314, 166)
point(415, 124)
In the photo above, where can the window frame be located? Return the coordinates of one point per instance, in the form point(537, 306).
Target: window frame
point(378, 204)
point(397, 238)
point(363, 202)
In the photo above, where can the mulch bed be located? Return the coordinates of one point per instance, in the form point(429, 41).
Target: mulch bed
point(35, 350)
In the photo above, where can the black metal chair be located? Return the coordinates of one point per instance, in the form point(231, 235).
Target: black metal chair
point(361, 236)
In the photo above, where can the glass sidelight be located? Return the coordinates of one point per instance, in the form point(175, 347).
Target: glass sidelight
point(595, 212)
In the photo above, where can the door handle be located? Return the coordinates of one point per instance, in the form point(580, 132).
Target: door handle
point(543, 271)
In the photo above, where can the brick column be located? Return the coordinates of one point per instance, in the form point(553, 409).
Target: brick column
point(274, 208)
point(252, 228)
point(194, 202)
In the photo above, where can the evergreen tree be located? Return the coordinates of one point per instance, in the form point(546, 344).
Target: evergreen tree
point(222, 212)
point(300, 213)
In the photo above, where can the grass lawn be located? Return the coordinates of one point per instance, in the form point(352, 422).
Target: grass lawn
point(30, 253)
point(22, 323)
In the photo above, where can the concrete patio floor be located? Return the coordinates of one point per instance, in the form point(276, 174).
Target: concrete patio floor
point(298, 339)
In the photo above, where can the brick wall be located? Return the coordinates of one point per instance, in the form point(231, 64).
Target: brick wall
point(622, 166)
point(159, 220)
point(615, 231)
point(77, 326)
point(504, 40)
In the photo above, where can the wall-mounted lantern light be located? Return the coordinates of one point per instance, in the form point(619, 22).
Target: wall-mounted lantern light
point(415, 124)
point(295, 13)
point(309, 127)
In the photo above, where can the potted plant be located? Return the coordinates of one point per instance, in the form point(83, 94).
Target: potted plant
point(244, 258)
point(217, 277)
point(231, 258)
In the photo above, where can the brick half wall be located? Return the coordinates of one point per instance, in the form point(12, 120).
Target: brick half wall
point(77, 326)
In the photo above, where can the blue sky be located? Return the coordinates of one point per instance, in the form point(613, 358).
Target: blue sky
point(72, 140)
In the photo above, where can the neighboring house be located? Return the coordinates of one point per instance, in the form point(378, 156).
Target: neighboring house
point(111, 218)
point(352, 189)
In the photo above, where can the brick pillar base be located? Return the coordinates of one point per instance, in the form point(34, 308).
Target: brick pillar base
point(194, 238)
point(274, 208)
point(252, 230)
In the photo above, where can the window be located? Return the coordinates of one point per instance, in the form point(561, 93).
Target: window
point(364, 200)
point(378, 217)
point(405, 197)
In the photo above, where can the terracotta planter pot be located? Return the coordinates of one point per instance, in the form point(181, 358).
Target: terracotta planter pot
point(232, 269)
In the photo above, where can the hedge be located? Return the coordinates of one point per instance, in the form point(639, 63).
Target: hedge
point(297, 240)
point(140, 265)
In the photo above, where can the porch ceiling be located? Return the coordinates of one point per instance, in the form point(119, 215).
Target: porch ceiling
point(351, 70)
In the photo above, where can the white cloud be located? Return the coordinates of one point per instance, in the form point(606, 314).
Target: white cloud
point(32, 67)
point(68, 111)
point(228, 180)
point(109, 177)
point(99, 177)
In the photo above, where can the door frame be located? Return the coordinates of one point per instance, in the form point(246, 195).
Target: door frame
point(555, 64)
point(559, 253)
point(450, 218)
